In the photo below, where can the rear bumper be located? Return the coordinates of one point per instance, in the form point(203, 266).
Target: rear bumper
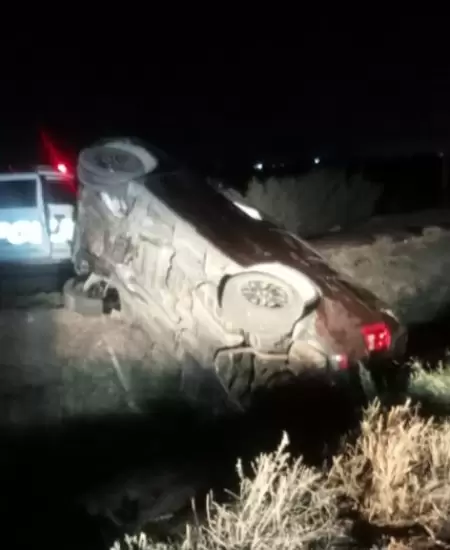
point(313, 354)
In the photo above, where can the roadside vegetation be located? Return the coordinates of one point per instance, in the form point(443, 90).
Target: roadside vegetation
point(317, 202)
point(388, 487)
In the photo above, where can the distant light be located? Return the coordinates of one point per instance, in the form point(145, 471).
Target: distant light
point(440, 154)
point(258, 166)
point(62, 168)
point(317, 160)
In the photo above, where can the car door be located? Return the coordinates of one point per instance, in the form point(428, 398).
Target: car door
point(23, 230)
point(59, 198)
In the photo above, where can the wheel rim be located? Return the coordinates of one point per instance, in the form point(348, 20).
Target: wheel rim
point(265, 294)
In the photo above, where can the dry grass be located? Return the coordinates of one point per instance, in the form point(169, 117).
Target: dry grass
point(284, 504)
point(398, 472)
point(432, 383)
point(390, 489)
point(317, 202)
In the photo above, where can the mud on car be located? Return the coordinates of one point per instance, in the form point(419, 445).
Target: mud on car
point(208, 276)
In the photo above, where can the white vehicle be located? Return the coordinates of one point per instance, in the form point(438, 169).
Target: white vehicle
point(37, 216)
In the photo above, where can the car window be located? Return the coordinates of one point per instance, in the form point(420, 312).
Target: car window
point(58, 191)
point(18, 193)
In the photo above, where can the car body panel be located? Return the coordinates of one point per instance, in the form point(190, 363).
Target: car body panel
point(345, 307)
point(170, 223)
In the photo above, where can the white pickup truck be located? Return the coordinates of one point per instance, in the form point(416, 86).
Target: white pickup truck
point(36, 216)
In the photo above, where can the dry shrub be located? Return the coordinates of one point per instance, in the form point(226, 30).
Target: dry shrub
point(317, 202)
point(398, 472)
point(431, 384)
point(284, 504)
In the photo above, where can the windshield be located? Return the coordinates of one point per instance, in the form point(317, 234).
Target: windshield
point(18, 193)
point(58, 191)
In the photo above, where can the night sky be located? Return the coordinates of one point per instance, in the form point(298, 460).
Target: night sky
point(331, 90)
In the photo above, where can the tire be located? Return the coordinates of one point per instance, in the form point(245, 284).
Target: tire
point(255, 318)
point(113, 164)
point(75, 299)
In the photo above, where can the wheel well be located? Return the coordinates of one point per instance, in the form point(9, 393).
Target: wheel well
point(221, 287)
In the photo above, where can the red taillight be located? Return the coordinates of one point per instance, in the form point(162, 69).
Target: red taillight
point(377, 337)
point(62, 168)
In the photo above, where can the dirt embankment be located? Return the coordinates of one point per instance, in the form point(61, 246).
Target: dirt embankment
point(405, 260)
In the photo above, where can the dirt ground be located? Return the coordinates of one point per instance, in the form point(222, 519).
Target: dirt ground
point(57, 364)
point(405, 260)
point(80, 396)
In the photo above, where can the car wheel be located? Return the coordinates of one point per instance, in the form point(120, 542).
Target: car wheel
point(260, 303)
point(77, 300)
point(114, 163)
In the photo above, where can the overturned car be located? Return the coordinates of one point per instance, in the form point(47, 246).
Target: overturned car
point(208, 276)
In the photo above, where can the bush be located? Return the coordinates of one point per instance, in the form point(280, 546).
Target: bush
point(316, 203)
point(284, 504)
point(397, 473)
point(395, 479)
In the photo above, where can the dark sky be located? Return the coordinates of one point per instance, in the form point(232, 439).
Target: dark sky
point(331, 88)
